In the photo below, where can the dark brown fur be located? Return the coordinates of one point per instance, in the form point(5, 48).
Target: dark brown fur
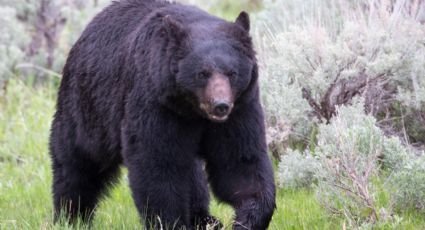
point(129, 96)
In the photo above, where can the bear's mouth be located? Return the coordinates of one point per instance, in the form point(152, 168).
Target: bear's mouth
point(217, 119)
point(216, 115)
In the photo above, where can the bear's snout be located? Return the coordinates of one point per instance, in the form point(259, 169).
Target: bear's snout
point(217, 100)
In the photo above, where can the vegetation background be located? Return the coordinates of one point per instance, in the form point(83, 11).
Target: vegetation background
point(343, 87)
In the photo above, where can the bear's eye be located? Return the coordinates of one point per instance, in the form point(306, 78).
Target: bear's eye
point(232, 74)
point(203, 75)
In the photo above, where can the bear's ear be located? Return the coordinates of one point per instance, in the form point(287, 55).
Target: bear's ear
point(174, 28)
point(243, 20)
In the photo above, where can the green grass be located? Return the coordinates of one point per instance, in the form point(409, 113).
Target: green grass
point(25, 178)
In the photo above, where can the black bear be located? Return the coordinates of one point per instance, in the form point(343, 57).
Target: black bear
point(170, 92)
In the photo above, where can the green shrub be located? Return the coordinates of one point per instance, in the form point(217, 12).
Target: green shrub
point(408, 185)
point(351, 151)
point(317, 57)
point(36, 35)
point(11, 43)
point(394, 154)
point(296, 170)
point(321, 54)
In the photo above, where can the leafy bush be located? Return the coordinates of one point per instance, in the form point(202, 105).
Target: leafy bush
point(37, 34)
point(394, 154)
point(350, 150)
point(408, 185)
point(11, 43)
point(321, 54)
point(296, 170)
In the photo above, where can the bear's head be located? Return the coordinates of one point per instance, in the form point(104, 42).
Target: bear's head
point(216, 69)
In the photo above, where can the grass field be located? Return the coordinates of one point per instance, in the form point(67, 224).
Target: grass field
point(25, 178)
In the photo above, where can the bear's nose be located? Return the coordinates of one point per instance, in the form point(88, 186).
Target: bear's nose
point(221, 109)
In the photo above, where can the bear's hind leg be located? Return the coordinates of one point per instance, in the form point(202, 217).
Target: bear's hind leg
point(78, 185)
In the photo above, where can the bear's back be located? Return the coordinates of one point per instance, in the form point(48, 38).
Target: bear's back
point(92, 90)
